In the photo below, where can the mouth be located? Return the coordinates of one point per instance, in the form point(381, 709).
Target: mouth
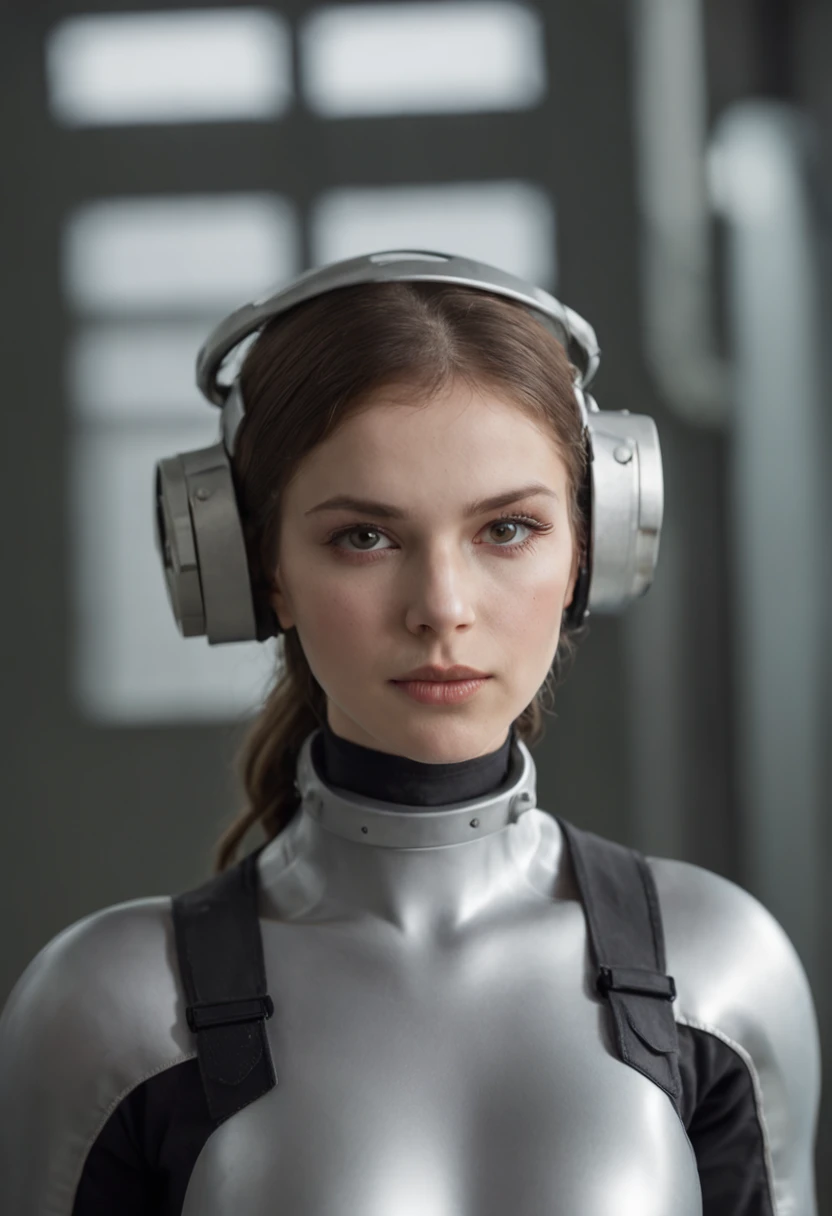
point(441, 692)
point(442, 675)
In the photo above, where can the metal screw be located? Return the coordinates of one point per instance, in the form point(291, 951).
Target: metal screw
point(623, 454)
point(475, 823)
point(365, 830)
point(202, 494)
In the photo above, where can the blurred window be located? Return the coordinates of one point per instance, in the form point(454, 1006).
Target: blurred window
point(130, 380)
point(509, 224)
point(135, 371)
point(170, 253)
point(363, 59)
point(186, 66)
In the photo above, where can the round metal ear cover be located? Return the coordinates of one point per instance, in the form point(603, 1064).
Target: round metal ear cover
point(177, 547)
point(627, 508)
point(220, 546)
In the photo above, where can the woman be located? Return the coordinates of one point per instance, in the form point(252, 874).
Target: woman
point(423, 994)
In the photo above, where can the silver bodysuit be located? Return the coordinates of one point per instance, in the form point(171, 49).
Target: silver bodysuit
point(439, 1046)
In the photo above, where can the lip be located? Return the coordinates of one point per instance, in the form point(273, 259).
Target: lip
point(442, 675)
point(440, 692)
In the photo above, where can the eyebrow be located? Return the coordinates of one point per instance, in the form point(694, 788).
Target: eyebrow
point(479, 506)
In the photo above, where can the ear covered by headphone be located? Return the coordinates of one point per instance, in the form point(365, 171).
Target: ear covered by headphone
point(199, 533)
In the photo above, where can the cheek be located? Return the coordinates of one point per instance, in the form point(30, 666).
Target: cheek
point(338, 614)
point(530, 621)
point(531, 600)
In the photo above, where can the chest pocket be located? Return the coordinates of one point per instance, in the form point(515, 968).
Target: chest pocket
point(220, 955)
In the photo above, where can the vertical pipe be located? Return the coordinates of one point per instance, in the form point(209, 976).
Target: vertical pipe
point(670, 111)
point(778, 516)
point(670, 108)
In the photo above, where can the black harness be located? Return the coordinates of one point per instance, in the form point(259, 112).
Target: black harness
point(220, 953)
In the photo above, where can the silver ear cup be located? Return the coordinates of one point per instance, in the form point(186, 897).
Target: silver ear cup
point(201, 542)
point(627, 507)
point(176, 546)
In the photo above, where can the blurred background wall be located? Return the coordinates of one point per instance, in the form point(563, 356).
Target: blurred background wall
point(661, 165)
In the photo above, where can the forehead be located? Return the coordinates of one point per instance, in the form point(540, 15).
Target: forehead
point(465, 442)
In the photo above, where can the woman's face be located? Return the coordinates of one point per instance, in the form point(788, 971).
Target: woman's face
point(431, 584)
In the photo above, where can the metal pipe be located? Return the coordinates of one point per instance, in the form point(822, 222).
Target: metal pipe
point(779, 509)
point(671, 119)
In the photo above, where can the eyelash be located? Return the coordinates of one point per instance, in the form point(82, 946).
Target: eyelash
point(536, 525)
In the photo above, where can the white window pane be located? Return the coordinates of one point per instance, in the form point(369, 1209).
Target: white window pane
point(410, 58)
point(138, 373)
point(187, 66)
point(200, 252)
point(131, 663)
point(509, 224)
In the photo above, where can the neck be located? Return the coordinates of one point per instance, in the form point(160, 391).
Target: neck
point(347, 855)
point(398, 779)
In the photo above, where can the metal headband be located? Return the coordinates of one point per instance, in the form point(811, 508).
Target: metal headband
point(575, 334)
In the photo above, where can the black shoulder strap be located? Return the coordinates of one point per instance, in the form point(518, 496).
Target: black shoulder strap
point(220, 954)
point(627, 941)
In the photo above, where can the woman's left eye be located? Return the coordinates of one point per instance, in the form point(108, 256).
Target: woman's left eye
point(524, 521)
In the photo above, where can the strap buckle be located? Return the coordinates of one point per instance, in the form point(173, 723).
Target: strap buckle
point(204, 1015)
point(639, 980)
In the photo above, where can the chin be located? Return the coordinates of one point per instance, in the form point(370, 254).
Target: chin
point(447, 742)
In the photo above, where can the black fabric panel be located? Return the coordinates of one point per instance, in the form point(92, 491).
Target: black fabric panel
point(720, 1115)
point(405, 782)
point(142, 1161)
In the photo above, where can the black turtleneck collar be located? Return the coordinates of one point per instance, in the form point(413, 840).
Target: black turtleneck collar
point(397, 779)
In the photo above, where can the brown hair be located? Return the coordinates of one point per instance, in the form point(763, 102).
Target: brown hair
point(307, 372)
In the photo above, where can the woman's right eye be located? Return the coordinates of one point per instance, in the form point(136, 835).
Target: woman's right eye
point(352, 530)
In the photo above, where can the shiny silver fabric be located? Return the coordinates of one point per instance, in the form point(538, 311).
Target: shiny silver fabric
point(438, 1046)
